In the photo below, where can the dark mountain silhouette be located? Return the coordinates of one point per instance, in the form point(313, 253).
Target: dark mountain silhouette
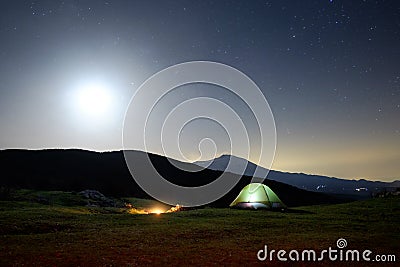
point(316, 183)
point(76, 170)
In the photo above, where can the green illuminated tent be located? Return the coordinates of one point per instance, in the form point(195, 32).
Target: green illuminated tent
point(257, 196)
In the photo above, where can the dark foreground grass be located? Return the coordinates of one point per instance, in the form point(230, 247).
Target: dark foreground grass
point(34, 234)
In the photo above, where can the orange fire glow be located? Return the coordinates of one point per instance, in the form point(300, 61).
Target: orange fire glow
point(174, 209)
point(156, 211)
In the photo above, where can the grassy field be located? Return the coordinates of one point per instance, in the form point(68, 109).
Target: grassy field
point(64, 232)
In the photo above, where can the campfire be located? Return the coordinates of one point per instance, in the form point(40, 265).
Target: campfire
point(157, 211)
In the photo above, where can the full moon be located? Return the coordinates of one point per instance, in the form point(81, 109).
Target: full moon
point(94, 99)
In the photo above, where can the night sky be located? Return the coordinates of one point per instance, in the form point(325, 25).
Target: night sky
point(330, 71)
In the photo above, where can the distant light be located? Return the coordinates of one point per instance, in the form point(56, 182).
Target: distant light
point(157, 211)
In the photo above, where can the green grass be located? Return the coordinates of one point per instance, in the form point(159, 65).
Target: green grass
point(61, 234)
point(48, 197)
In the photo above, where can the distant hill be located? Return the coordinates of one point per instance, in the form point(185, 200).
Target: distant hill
point(316, 183)
point(76, 170)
